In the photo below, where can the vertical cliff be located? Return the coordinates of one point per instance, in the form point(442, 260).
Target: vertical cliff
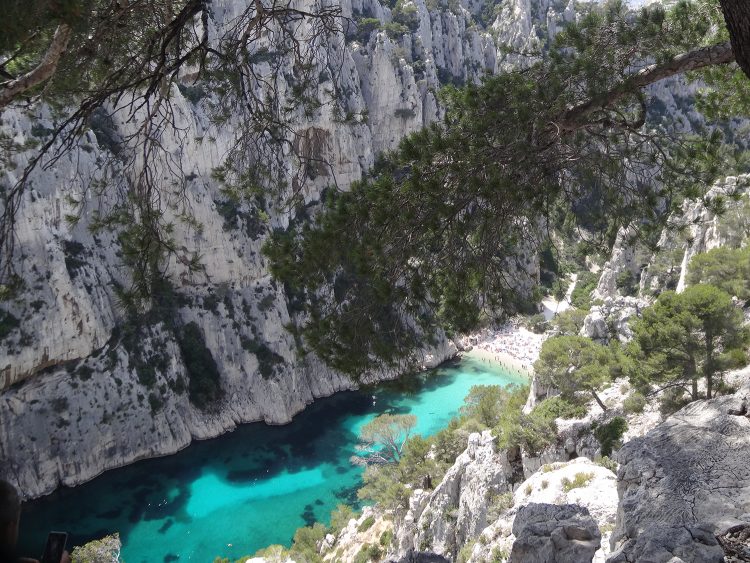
point(90, 388)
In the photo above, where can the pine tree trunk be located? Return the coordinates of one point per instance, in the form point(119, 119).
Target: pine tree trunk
point(737, 18)
point(598, 400)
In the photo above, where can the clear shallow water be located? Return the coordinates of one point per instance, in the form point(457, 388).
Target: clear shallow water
point(235, 494)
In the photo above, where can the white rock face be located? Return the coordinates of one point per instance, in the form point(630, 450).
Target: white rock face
point(442, 520)
point(612, 318)
point(684, 482)
point(349, 542)
point(621, 261)
point(551, 485)
point(70, 386)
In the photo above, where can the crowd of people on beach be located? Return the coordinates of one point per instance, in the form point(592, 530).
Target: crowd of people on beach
point(511, 340)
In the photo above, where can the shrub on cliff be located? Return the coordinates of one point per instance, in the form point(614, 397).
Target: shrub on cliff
point(204, 381)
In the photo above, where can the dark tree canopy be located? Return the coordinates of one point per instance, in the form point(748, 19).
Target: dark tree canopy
point(445, 231)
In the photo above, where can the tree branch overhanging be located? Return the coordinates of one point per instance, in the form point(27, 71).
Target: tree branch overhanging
point(42, 72)
point(579, 116)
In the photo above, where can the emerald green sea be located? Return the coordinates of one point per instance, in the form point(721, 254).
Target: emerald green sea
point(232, 495)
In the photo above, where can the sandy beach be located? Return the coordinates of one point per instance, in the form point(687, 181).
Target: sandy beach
point(510, 345)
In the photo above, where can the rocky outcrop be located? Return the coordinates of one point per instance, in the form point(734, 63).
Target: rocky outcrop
point(475, 499)
point(700, 230)
point(457, 508)
point(367, 530)
point(684, 482)
point(611, 319)
point(549, 533)
point(580, 482)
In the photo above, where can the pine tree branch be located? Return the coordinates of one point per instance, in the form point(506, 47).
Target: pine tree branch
point(579, 116)
point(44, 70)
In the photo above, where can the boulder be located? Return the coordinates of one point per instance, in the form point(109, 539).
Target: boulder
point(684, 482)
point(421, 557)
point(549, 533)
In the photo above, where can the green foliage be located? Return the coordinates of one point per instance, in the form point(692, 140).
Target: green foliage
point(634, 403)
point(366, 524)
point(431, 237)
point(627, 283)
point(268, 360)
point(305, 543)
point(579, 480)
point(8, 323)
point(204, 381)
point(464, 554)
point(368, 552)
point(688, 336)
point(581, 295)
point(573, 365)
point(484, 403)
point(272, 554)
point(569, 322)
point(725, 268)
point(406, 15)
point(497, 504)
point(607, 463)
point(609, 434)
point(386, 539)
point(536, 323)
point(340, 517)
point(364, 28)
point(558, 407)
point(385, 437)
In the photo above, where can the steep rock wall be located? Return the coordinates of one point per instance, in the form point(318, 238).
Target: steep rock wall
point(80, 398)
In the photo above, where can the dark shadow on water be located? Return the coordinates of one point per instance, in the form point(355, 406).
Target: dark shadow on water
point(308, 515)
point(159, 489)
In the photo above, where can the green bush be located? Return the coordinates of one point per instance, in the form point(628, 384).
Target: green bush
point(365, 27)
point(386, 538)
point(464, 553)
point(537, 323)
point(557, 407)
point(607, 463)
point(498, 503)
point(609, 434)
point(581, 295)
point(634, 403)
point(305, 543)
point(368, 552)
point(204, 381)
point(366, 524)
point(8, 323)
point(627, 283)
point(580, 480)
point(340, 518)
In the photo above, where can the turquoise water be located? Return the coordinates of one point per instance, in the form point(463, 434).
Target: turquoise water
point(254, 487)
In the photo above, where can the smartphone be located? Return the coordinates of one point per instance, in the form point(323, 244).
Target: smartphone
point(53, 551)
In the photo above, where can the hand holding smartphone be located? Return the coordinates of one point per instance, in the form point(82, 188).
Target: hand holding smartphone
point(55, 547)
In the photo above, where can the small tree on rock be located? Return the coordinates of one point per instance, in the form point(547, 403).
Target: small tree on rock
point(382, 440)
point(688, 336)
point(572, 365)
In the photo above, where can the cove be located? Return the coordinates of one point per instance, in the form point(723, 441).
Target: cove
point(232, 495)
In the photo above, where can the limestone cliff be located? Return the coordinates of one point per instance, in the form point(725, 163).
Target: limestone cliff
point(86, 391)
